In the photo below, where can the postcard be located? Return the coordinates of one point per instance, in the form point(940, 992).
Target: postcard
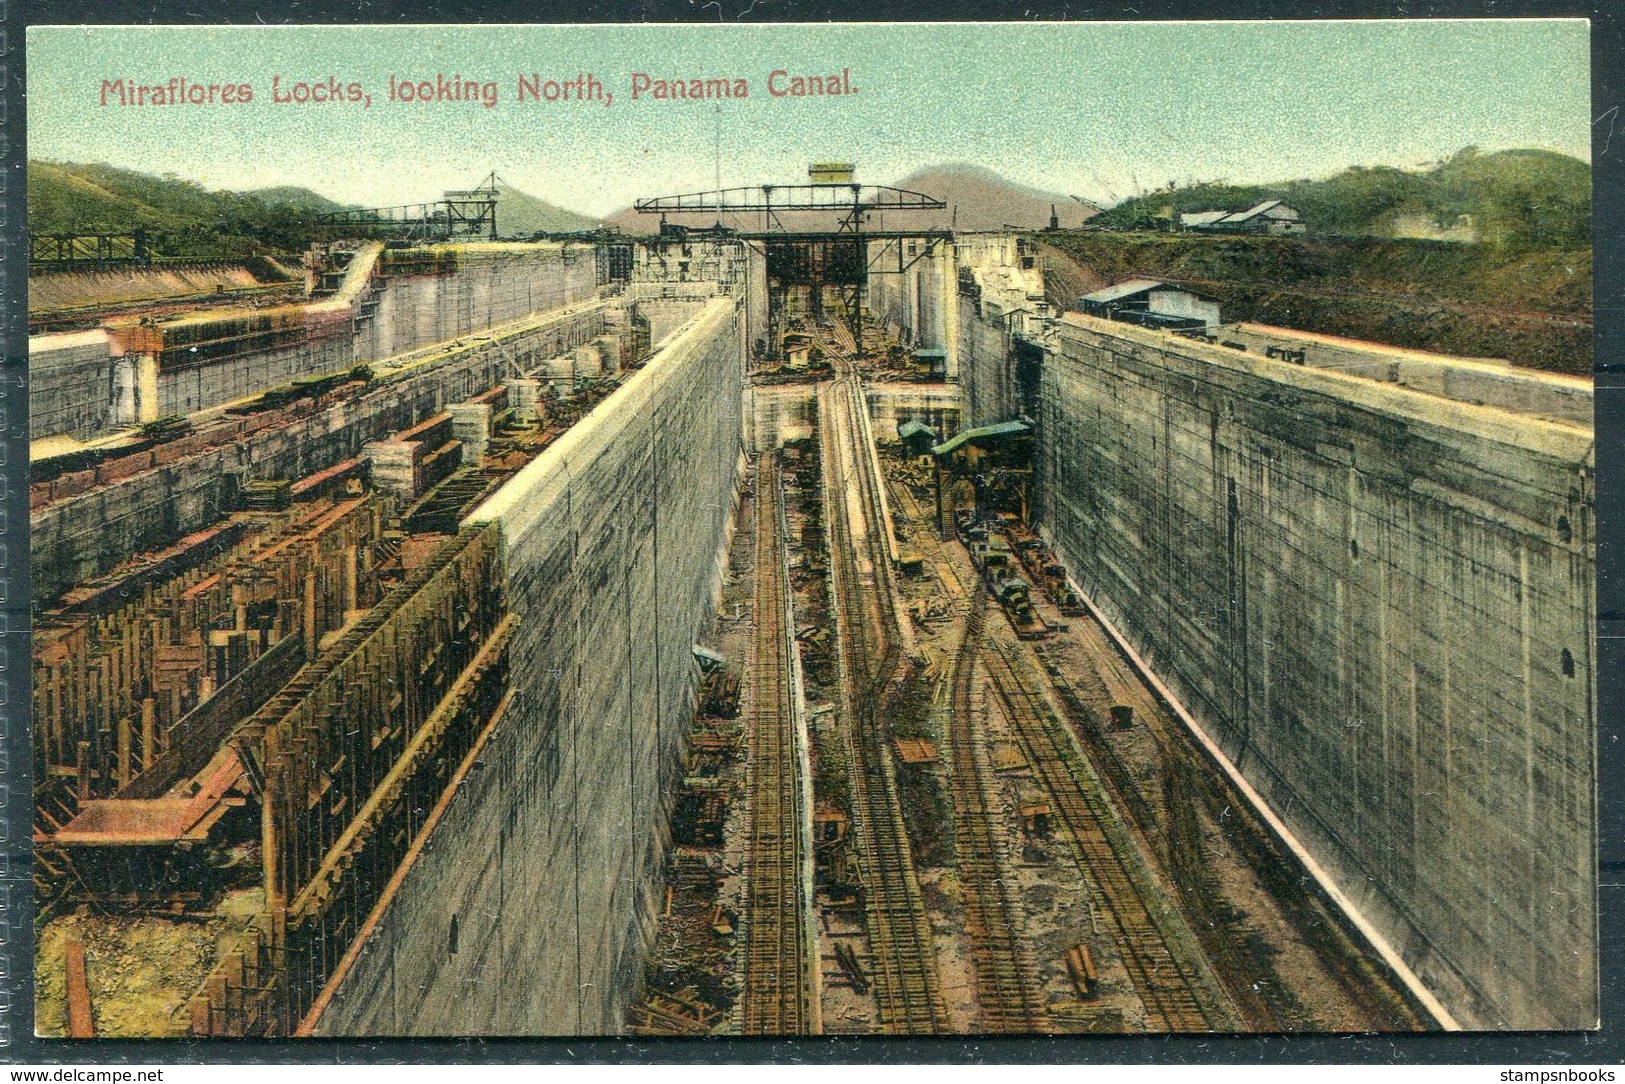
point(812, 529)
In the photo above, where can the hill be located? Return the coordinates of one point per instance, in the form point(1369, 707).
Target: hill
point(183, 217)
point(1530, 306)
point(1520, 199)
point(519, 214)
point(978, 199)
point(186, 219)
point(294, 196)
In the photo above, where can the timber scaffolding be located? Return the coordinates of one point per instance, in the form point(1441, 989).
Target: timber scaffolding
point(254, 709)
point(132, 679)
point(348, 761)
point(204, 644)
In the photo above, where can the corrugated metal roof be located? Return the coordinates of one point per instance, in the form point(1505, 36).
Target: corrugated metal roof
point(1012, 428)
point(1181, 288)
point(1199, 219)
point(1122, 290)
point(1242, 216)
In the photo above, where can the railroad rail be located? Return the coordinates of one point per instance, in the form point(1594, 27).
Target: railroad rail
point(908, 991)
point(1008, 987)
point(778, 996)
point(1171, 816)
point(1172, 995)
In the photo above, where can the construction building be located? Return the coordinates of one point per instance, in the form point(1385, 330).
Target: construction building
point(1271, 217)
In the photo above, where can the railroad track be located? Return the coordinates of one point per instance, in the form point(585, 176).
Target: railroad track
point(778, 996)
point(908, 991)
point(1008, 987)
point(1169, 992)
point(1171, 817)
point(839, 337)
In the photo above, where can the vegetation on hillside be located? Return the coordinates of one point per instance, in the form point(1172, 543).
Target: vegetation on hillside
point(519, 214)
point(1532, 307)
point(182, 217)
point(1515, 199)
point(1550, 280)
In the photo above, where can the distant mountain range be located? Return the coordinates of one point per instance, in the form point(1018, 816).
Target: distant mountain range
point(1520, 198)
point(980, 199)
point(72, 197)
point(520, 214)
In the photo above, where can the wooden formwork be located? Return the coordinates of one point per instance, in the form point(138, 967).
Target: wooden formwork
point(348, 762)
point(115, 690)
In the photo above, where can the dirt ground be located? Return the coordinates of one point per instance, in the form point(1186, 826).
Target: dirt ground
point(141, 971)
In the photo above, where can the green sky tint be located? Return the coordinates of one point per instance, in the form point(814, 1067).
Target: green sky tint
point(1091, 109)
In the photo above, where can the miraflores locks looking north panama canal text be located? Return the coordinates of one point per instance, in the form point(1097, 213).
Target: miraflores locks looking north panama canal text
point(528, 88)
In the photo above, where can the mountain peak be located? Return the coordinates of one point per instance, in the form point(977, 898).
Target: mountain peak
point(978, 198)
point(520, 214)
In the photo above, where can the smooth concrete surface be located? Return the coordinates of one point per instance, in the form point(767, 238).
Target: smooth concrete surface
point(84, 535)
point(69, 384)
point(1001, 312)
point(1486, 382)
point(549, 857)
point(1379, 603)
point(243, 351)
point(912, 292)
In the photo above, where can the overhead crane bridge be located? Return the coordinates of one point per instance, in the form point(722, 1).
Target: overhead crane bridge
point(838, 249)
point(465, 213)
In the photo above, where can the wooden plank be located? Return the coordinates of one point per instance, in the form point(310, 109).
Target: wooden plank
point(81, 1022)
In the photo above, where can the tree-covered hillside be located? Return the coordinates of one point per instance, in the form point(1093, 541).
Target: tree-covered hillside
point(183, 217)
point(1521, 199)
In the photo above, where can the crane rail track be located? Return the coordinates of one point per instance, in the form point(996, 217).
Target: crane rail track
point(1008, 987)
point(778, 988)
point(1167, 990)
point(908, 991)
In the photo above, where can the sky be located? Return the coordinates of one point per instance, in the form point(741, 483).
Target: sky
point(1098, 110)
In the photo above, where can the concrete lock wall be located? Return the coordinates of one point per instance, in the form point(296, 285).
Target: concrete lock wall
point(475, 286)
point(75, 538)
point(1000, 294)
point(987, 362)
point(919, 301)
point(936, 405)
point(69, 384)
point(1379, 604)
point(1557, 396)
point(186, 389)
point(549, 856)
point(666, 316)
